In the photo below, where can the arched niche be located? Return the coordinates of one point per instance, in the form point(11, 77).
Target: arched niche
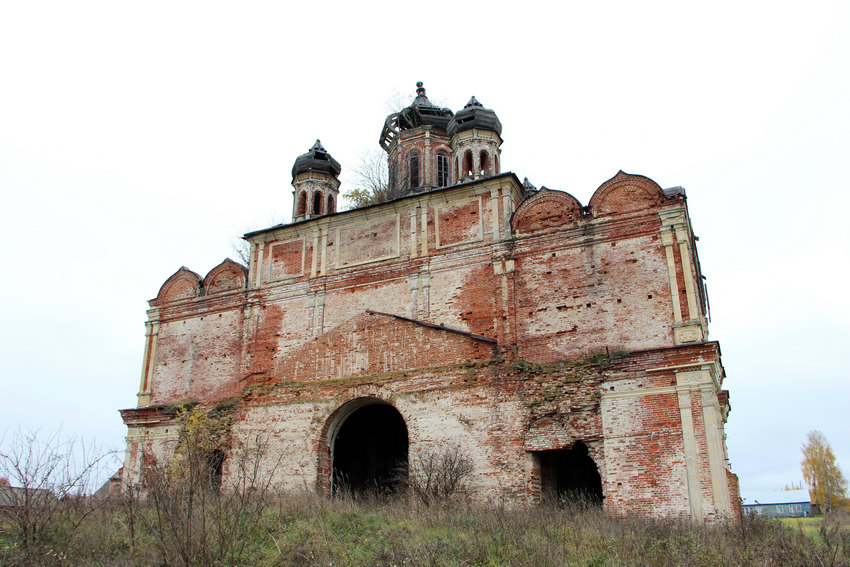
point(625, 193)
point(227, 276)
point(546, 209)
point(183, 284)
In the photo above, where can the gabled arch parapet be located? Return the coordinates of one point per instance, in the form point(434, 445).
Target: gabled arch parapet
point(227, 276)
point(545, 210)
point(183, 284)
point(625, 193)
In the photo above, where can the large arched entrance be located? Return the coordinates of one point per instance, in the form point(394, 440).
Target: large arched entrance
point(369, 449)
point(569, 475)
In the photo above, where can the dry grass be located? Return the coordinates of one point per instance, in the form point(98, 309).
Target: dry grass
point(309, 530)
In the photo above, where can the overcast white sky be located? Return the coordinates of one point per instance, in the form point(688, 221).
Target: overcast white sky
point(136, 138)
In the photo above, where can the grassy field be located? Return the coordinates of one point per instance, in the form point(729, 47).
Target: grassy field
point(308, 530)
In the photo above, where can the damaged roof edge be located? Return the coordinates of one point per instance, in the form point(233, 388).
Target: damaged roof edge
point(437, 190)
point(434, 326)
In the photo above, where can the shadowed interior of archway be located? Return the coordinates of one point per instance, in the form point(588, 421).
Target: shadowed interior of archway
point(370, 451)
point(569, 475)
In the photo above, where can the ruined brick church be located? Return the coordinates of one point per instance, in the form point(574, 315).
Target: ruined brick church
point(562, 348)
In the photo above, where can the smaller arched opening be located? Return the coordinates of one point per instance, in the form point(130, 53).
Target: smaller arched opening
point(318, 201)
point(301, 210)
point(484, 163)
point(331, 204)
point(468, 168)
point(569, 476)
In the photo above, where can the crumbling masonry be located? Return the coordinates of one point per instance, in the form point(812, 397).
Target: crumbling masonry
point(562, 347)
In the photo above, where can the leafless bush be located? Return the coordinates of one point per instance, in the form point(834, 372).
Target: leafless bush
point(50, 480)
point(438, 476)
point(193, 517)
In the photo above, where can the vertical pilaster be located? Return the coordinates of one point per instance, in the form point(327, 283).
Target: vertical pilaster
point(413, 281)
point(494, 213)
point(413, 233)
point(424, 232)
point(323, 246)
point(425, 284)
point(685, 255)
point(314, 263)
point(259, 271)
point(507, 210)
point(320, 313)
point(691, 455)
point(151, 336)
point(667, 241)
point(716, 452)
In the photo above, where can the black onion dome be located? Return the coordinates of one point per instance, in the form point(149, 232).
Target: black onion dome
point(474, 115)
point(317, 158)
point(420, 113)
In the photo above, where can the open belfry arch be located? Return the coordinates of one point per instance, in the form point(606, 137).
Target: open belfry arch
point(562, 347)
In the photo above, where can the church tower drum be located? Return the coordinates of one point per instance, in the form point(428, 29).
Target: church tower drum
point(417, 146)
point(476, 135)
point(315, 182)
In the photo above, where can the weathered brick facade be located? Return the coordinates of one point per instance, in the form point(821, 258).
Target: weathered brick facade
point(513, 323)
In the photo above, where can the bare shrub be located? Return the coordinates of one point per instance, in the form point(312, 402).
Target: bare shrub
point(193, 516)
point(438, 476)
point(50, 478)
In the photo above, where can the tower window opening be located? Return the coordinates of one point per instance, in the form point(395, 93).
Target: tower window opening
point(317, 204)
point(442, 170)
point(302, 204)
point(331, 204)
point(468, 169)
point(484, 162)
point(413, 168)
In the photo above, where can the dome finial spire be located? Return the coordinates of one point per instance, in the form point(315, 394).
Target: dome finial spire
point(421, 99)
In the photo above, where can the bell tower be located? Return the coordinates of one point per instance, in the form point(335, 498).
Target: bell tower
point(417, 146)
point(315, 182)
point(476, 135)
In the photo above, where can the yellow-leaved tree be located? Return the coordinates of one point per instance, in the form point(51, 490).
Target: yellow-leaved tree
point(827, 485)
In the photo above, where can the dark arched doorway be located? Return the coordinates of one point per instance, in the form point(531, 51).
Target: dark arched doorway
point(569, 475)
point(369, 451)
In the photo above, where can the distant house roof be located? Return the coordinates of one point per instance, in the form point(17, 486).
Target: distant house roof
point(11, 496)
point(766, 497)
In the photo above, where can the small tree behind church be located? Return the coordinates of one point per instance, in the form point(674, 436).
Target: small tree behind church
point(827, 485)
